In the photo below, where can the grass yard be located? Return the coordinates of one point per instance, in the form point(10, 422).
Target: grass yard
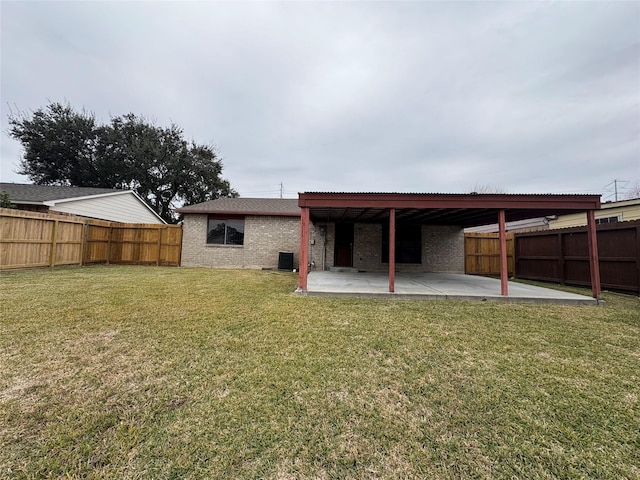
point(159, 373)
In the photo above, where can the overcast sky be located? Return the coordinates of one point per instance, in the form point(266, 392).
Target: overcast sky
point(528, 97)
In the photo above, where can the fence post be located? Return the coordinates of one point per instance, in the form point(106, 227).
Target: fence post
point(83, 248)
point(638, 258)
point(561, 259)
point(54, 244)
point(160, 229)
point(109, 244)
point(180, 248)
point(511, 253)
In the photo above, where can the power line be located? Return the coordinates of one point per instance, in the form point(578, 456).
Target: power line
point(270, 191)
point(617, 185)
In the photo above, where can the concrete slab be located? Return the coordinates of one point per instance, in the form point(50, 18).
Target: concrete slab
point(434, 286)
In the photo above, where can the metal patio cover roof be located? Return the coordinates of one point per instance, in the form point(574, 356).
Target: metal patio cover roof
point(466, 210)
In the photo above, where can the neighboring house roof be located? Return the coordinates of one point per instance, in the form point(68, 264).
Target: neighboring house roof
point(22, 193)
point(537, 223)
point(104, 203)
point(282, 207)
point(624, 210)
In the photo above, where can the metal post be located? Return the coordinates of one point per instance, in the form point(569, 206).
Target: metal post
point(392, 250)
point(304, 249)
point(594, 265)
point(504, 274)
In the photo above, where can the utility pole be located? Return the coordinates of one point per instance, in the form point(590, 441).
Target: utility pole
point(615, 187)
point(281, 189)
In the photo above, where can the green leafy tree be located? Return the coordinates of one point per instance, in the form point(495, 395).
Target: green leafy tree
point(59, 146)
point(66, 147)
point(5, 201)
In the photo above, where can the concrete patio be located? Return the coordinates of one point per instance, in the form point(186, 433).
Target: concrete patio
point(434, 286)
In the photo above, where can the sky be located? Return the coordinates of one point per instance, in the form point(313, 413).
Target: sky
point(518, 97)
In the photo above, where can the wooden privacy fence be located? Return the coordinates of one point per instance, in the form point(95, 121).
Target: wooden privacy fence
point(29, 239)
point(482, 254)
point(562, 256)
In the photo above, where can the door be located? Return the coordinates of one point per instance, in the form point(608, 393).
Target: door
point(344, 245)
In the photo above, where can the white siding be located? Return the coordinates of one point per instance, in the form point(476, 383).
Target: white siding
point(625, 211)
point(528, 224)
point(124, 208)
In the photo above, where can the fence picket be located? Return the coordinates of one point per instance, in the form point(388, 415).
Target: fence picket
point(32, 239)
point(482, 254)
point(562, 256)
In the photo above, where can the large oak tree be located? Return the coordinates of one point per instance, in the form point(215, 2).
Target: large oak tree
point(63, 146)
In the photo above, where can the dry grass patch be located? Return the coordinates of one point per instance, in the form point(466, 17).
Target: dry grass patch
point(127, 372)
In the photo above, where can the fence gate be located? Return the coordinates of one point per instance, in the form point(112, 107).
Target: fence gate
point(482, 254)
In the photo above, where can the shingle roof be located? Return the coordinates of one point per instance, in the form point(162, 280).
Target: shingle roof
point(26, 193)
point(247, 206)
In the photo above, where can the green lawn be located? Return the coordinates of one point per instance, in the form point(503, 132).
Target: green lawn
point(146, 372)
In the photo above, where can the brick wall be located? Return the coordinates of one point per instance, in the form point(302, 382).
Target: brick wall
point(442, 249)
point(264, 238)
point(316, 246)
point(367, 247)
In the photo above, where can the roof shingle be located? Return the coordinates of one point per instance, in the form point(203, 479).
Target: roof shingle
point(247, 206)
point(27, 193)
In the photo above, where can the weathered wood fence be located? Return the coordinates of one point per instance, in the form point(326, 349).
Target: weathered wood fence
point(482, 254)
point(562, 256)
point(29, 239)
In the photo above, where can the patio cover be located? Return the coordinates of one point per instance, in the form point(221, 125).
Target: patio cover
point(465, 210)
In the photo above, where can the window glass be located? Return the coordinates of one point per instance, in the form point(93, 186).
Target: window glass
point(235, 232)
point(222, 231)
point(600, 221)
point(408, 244)
point(216, 231)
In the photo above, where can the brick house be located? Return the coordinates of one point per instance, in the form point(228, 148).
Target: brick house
point(251, 232)
point(366, 232)
point(240, 232)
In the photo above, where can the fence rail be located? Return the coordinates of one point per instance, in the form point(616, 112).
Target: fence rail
point(30, 239)
point(562, 256)
point(482, 254)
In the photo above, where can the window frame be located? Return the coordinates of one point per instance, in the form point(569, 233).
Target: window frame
point(403, 236)
point(610, 219)
point(225, 219)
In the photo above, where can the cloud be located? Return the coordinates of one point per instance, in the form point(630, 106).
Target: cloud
point(406, 96)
